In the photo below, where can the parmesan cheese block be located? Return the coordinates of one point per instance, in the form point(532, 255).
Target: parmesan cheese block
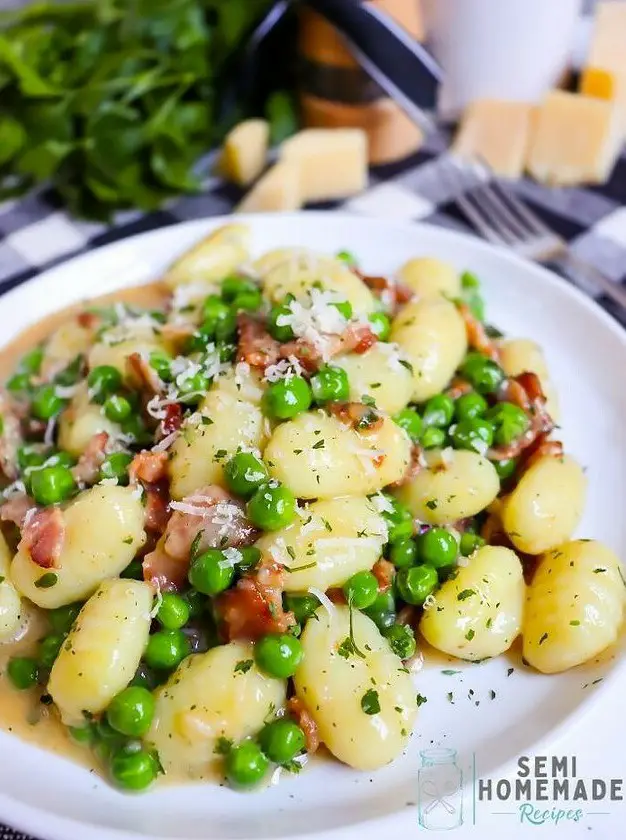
point(496, 131)
point(608, 41)
point(244, 152)
point(575, 139)
point(607, 84)
point(278, 189)
point(332, 162)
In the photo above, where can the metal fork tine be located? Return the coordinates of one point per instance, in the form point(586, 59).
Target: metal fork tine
point(478, 220)
point(490, 216)
point(494, 204)
point(534, 224)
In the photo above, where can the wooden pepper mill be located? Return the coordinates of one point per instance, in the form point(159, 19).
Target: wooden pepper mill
point(335, 92)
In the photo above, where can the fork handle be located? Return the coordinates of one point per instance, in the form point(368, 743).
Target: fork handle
point(584, 274)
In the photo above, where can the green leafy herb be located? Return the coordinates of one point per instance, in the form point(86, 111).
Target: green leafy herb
point(420, 700)
point(465, 593)
point(370, 702)
point(243, 666)
point(223, 746)
point(47, 580)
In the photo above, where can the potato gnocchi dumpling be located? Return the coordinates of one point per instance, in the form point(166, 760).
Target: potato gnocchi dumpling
point(478, 613)
point(356, 689)
point(102, 651)
point(103, 531)
point(574, 606)
point(433, 336)
point(211, 697)
point(308, 465)
point(545, 507)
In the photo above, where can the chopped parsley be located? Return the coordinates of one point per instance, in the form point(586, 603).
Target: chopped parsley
point(465, 593)
point(470, 635)
point(223, 746)
point(420, 700)
point(370, 702)
point(243, 666)
point(47, 580)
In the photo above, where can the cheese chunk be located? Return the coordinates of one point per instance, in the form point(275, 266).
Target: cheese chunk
point(332, 162)
point(575, 139)
point(607, 84)
point(608, 41)
point(278, 189)
point(496, 131)
point(245, 151)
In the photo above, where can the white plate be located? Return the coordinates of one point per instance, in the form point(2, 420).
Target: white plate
point(586, 352)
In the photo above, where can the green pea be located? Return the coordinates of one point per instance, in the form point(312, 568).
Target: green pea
point(438, 411)
point(84, 735)
point(476, 435)
point(348, 258)
point(63, 459)
point(280, 331)
point(245, 473)
point(469, 543)
point(173, 612)
point(469, 281)
point(247, 301)
point(416, 584)
point(437, 547)
point(469, 406)
point(117, 408)
point(31, 455)
point(116, 466)
point(482, 373)
point(51, 485)
point(161, 362)
point(272, 507)
point(510, 422)
point(62, 618)
point(381, 325)
point(134, 770)
point(197, 603)
point(166, 649)
point(211, 572)
point(135, 428)
point(31, 361)
point(403, 553)
point(401, 639)
point(505, 467)
point(282, 740)
point(278, 654)
point(214, 310)
point(131, 711)
point(246, 764)
point(226, 328)
point(19, 383)
point(23, 672)
point(193, 388)
point(227, 352)
point(236, 285)
point(302, 606)
point(433, 438)
point(330, 384)
point(383, 610)
point(361, 590)
point(46, 403)
point(409, 420)
point(104, 379)
point(287, 397)
point(250, 557)
point(399, 519)
point(49, 648)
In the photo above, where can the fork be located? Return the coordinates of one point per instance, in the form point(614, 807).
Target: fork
point(502, 218)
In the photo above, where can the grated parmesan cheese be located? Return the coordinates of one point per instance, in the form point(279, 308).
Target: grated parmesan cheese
point(164, 445)
point(324, 600)
point(17, 488)
point(232, 556)
point(284, 369)
point(48, 437)
point(381, 503)
point(318, 321)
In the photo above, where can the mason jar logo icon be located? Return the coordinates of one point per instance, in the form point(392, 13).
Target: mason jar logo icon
point(440, 790)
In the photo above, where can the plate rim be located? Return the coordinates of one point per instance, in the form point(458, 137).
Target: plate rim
point(46, 826)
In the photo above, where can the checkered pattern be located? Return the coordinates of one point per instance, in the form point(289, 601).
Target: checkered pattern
point(35, 233)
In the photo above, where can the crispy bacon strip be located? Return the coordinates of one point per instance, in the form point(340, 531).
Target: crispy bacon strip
point(357, 415)
point(88, 320)
point(255, 606)
point(477, 337)
point(88, 467)
point(303, 718)
point(391, 292)
point(173, 419)
point(16, 509)
point(149, 467)
point(255, 345)
point(142, 375)
point(156, 511)
point(416, 465)
point(384, 572)
point(43, 535)
point(541, 447)
point(164, 571)
point(527, 393)
point(458, 388)
point(307, 354)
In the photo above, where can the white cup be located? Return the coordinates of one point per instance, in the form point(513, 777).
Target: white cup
point(500, 49)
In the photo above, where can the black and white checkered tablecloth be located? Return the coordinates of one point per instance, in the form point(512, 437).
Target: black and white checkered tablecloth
point(35, 232)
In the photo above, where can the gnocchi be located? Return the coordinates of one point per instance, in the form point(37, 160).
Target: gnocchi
point(360, 696)
point(430, 278)
point(80, 421)
point(545, 507)
point(518, 355)
point(574, 606)
point(212, 259)
point(11, 608)
point(103, 649)
point(380, 375)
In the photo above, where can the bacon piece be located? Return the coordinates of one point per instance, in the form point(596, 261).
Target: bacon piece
point(357, 415)
point(477, 337)
point(416, 465)
point(10, 437)
point(458, 388)
point(391, 292)
point(407, 615)
point(149, 467)
point(89, 463)
point(357, 338)
point(43, 534)
point(88, 320)
point(541, 447)
point(219, 517)
point(159, 568)
point(142, 375)
point(16, 509)
point(255, 606)
point(307, 354)
point(384, 572)
point(173, 419)
point(156, 512)
point(304, 719)
point(255, 345)
point(527, 392)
